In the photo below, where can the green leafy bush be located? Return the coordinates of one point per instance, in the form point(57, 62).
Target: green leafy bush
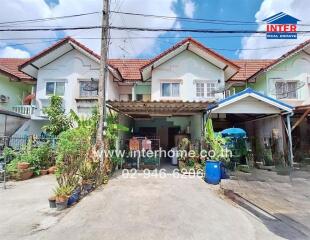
point(72, 150)
point(216, 143)
point(58, 120)
point(38, 157)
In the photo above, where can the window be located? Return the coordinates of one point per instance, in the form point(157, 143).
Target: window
point(55, 88)
point(125, 97)
point(170, 89)
point(286, 90)
point(139, 97)
point(200, 89)
point(88, 88)
point(292, 90)
point(205, 89)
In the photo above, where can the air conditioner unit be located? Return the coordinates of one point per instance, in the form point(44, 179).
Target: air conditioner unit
point(4, 99)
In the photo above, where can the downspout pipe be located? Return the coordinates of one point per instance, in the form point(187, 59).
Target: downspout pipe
point(289, 134)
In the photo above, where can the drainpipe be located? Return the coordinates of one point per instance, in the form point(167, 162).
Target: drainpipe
point(289, 134)
point(133, 98)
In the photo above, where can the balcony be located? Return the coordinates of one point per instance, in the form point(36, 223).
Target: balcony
point(25, 110)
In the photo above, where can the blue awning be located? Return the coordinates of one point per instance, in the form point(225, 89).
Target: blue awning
point(257, 96)
point(234, 132)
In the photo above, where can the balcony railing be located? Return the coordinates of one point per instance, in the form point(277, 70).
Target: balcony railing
point(26, 110)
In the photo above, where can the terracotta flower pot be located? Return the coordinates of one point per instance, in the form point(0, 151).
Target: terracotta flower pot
point(23, 165)
point(25, 174)
point(43, 172)
point(61, 198)
point(52, 170)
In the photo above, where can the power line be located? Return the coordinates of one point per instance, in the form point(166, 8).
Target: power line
point(50, 18)
point(140, 29)
point(216, 49)
point(198, 20)
point(203, 20)
point(187, 19)
point(192, 30)
point(139, 37)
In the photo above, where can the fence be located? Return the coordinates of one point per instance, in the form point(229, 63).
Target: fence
point(17, 142)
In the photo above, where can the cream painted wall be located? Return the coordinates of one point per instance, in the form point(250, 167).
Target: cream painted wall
point(187, 68)
point(70, 68)
point(295, 68)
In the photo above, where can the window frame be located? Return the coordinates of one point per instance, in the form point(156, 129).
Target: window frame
point(85, 81)
point(206, 93)
point(170, 89)
point(286, 82)
point(55, 87)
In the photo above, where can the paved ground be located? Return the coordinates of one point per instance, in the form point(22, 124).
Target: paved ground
point(286, 198)
point(135, 208)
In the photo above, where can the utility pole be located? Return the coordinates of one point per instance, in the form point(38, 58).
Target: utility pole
point(103, 74)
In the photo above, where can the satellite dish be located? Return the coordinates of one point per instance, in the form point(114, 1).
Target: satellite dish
point(221, 89)
point(91, 86)
point(284, 90)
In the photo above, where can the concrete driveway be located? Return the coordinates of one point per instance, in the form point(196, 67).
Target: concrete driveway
point(285, 197)
point(133, 208)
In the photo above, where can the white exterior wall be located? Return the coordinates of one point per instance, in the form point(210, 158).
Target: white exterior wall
point(186, 67)
point(70, 68)
point(112, 89)
point(295, 68)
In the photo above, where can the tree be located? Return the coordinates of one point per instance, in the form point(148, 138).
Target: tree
point(58, 120)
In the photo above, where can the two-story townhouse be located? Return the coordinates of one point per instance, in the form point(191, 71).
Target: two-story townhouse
point(164, 98)
point(15, 96)
point(288, 79)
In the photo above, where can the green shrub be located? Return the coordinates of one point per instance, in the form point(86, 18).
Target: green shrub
point(38, 157)
point(58, 120)
point(72, 150)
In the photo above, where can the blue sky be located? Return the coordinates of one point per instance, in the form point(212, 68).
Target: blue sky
point(228, 10)
point(219, 9)
point(212, 9)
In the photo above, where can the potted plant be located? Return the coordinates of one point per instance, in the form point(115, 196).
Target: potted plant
point(214, 164)
point(43, 172)
point(24, 174)
point(87, 173)
point(51, 170)
point(75, 196)
point(23, 165)
point(62, 194)
point(52, 201)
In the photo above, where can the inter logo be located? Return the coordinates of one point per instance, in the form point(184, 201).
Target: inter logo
point(281, 26)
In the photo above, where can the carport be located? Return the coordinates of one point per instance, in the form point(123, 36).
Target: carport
point(163, 123)
point(261, 116)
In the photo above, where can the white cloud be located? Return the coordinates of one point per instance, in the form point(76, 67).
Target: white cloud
point(9, 52)
point(189, 8)
point(296, 8)
point(29, 9)
point(21, 10)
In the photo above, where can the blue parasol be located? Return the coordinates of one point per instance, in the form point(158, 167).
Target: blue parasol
point(234, 132)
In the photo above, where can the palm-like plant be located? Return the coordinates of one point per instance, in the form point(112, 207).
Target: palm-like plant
point(215, 141)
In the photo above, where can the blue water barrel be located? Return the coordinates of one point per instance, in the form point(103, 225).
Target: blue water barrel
point(213, 172)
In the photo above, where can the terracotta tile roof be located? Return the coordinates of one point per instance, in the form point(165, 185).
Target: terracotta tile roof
point(248, 67)
point(129, 68)
point(193, 41)
point(10, 66)
point(55, 46)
